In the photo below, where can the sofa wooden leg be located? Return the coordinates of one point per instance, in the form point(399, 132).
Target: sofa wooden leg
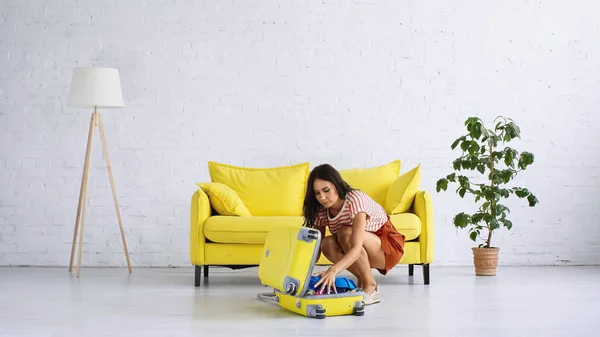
point(205, 271)
point(197, 277)
point(426, 273)
point(411, 269)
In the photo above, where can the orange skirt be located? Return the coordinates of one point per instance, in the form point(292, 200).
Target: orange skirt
point(392, 244)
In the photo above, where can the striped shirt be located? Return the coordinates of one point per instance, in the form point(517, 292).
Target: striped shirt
point(356, 201)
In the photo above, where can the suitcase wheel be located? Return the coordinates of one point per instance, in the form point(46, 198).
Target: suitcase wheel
point(315, 312)
point(290, 288)
point(320, 314)
point(291, 285)
point(359, 309)
point(359, 312)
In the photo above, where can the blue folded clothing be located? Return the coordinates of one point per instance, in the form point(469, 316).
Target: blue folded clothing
point(342, 284)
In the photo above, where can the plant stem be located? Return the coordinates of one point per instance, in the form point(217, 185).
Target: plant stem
point(492, 204)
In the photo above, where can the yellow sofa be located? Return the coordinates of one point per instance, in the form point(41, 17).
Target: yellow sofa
point(232, 214)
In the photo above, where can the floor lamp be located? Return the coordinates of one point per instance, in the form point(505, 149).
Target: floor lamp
point(94, 88)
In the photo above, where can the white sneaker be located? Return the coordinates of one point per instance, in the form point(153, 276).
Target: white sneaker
point(372, 298)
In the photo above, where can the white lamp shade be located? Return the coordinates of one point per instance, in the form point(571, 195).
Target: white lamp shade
point(95, 87)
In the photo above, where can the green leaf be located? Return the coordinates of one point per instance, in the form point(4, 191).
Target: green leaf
point(473, 149)
point(462, 192)
point(476, 218)
point(481, 168)
point(460, 139)
point(489, 194)
point(475, 160)
point(466, 163)
point(463, 181)
point(497, 155)
point(451, 177)
point(501, 176)
point(532, 200)
point(471, 120)
point(507, 224)
point(498, 179)
point(476, 132)
point(501, 209)
point(465, 145)
point(525, 160)
point(475, 127)
point(441, 185)
point(506, 175)
point(521, 192)
point(494, 140)
point(473, 236)
point(497, 195)
point(457, 164)
point(494, 224)
point(462, 220)
point(509, 156)
point(485, 161)
point(507, 136)
point(513, 130)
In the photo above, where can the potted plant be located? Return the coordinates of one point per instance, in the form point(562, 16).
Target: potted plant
point(484, 151)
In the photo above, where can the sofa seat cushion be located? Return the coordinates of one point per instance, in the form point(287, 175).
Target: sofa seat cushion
point(409, 224)
point(254, 230)
point(249, 230)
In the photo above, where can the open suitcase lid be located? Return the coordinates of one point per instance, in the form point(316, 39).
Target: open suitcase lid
point(288, 258)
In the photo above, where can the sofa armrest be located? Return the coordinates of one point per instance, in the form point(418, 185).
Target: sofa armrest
point(200, 211)
point(423, 208)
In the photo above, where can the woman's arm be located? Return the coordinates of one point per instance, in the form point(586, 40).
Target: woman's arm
point(358, 237)
point(327, 280)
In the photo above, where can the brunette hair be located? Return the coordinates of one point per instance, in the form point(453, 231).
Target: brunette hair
point(311, 204)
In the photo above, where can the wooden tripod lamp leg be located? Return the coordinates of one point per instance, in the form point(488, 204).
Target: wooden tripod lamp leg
point(82, 226)
point(96, 120)
point(83, 193)
point(112, 186)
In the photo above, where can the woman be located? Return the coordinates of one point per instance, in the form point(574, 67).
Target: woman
point(362, 235)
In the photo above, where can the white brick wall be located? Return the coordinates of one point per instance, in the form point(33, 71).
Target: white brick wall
point(356, 84)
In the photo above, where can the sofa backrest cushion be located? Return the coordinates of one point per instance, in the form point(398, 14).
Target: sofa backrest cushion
point(402, 193)
point(277, 191)
point(374, 181)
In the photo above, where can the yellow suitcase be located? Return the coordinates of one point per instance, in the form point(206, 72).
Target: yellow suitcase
point(286, 265)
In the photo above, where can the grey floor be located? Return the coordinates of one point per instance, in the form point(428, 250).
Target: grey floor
point(519, 301)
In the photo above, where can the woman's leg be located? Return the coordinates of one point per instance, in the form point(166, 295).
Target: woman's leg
point(334, 252)
point(371, 256)
point(335, 246)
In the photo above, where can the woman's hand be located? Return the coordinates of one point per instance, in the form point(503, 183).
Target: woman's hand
point(327, 280)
